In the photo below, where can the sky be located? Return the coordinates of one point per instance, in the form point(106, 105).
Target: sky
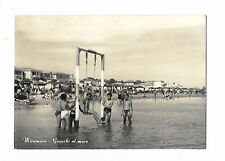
point(169, 48)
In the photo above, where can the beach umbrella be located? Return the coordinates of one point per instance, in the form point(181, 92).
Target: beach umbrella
point(36, 79)
point(26, 81)
point(41, 82)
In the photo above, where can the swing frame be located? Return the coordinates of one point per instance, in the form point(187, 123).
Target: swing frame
point(78, 51)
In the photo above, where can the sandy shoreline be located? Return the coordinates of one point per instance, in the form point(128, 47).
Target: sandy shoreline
point(41, 101)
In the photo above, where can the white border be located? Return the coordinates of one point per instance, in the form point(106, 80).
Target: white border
point(215, 74)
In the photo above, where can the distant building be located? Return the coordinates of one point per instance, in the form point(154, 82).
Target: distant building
point(158, 84)
point(30, 73)
point(129, 83)
point(172, 85)
point(34, 73)
point(26, 73)
point(46, 75)
point(60, 76)
point(19, 74)
point(152, 84)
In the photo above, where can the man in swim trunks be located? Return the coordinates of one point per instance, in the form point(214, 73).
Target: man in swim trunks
point(107, 103)
point(127, 111)
point(63, 111)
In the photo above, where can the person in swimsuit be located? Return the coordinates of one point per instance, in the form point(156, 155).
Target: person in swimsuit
point(87, 99)
point(107, 103)
point(72, 116)
point(73, 108)
point(63, 111)
point(127, 111)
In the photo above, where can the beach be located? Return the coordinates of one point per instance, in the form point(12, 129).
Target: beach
point(157, 124)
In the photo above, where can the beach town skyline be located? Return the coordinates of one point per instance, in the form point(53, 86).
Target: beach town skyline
point(48, 75)
point(170, 48)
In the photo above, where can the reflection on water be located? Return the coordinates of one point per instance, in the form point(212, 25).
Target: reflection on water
point(177, 123)
point(108, 133)
point(127, 131)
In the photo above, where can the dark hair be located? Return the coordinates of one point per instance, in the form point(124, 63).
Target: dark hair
point(109, 94)
point(63, 97)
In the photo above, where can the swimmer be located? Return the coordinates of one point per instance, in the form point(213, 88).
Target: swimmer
point(107, 103)
point(63, 111)
point(127, 109)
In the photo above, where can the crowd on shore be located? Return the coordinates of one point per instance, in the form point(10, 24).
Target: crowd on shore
point(65, 101)
point(28, 92)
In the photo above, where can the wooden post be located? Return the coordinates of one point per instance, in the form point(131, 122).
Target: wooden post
point(77, 86)
point(102, 83)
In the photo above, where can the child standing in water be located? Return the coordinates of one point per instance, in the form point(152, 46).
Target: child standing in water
point(107, 103)
point(87, 100)
point(63, 111)
point(73, 108)
point(127, 111)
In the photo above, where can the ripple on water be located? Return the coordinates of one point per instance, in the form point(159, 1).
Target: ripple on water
point(178, 123)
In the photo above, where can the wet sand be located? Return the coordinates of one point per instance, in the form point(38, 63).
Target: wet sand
point(167, 124)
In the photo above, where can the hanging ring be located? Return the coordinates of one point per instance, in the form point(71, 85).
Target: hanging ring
point(86, 57)
point(95, 60)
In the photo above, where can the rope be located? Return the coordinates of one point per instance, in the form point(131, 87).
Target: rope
point(86, 63)
point(94, 65)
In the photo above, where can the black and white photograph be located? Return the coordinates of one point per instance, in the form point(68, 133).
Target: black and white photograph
point(110, 82)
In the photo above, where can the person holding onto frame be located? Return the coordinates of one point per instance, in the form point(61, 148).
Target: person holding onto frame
point(127, 111)
point(73, 108)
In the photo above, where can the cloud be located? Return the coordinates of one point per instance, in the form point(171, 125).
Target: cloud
point(136, 47)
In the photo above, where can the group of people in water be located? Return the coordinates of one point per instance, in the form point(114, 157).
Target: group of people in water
point(65, 110)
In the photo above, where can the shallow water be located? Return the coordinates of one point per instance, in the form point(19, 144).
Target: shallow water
point(177, 123)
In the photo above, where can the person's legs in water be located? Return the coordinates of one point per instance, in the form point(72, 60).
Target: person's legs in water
point(58, 121)
point(71, 120)
point(104, 115)
point(124, 118)
point(67, 122)
point(108, 117)
point(126, 114)
point(58, 118)
point(63, 122)
point(129, 117)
